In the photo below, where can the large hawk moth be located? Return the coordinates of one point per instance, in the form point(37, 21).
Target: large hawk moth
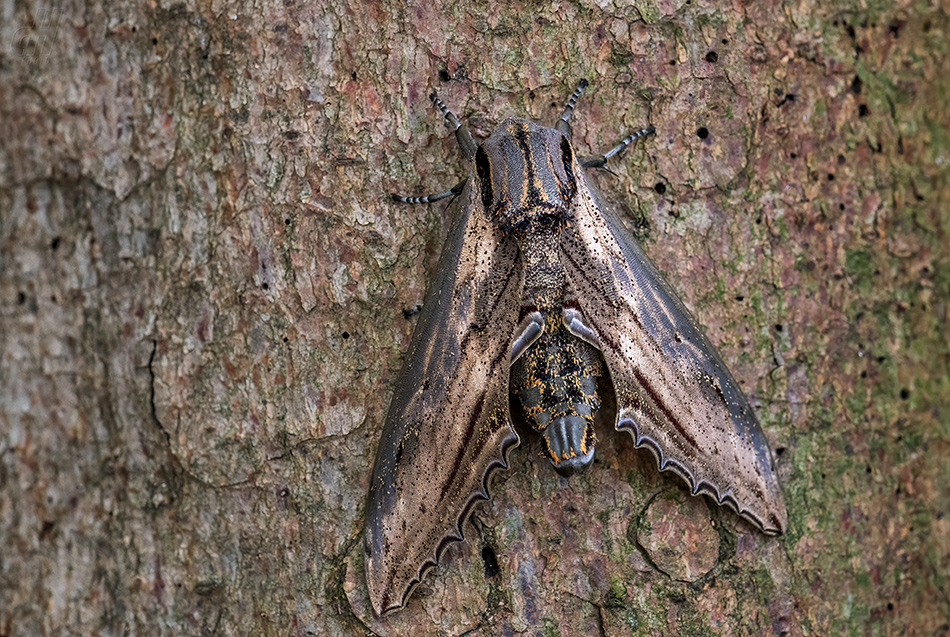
point(539, 292)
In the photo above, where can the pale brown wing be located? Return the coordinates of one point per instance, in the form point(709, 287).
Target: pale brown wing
point(674, 393)
point(448, 425)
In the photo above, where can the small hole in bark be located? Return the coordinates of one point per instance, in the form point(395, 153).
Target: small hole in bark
point(491, 561)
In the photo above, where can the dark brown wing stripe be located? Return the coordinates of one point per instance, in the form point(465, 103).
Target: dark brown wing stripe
point(463, 446)
point(645, 384)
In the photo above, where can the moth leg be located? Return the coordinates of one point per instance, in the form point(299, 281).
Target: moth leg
point(454, 192)
point(599, 161)
point(574, 321)
point(561, 125)
point(466, 144)
point(529, 330)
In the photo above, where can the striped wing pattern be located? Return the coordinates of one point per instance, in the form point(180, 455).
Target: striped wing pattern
point(675, 396)
point(448, 426)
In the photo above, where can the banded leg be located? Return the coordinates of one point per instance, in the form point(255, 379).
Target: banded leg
point(454, 192)
point(466, 145)
point(562, 125)
point(599, 161)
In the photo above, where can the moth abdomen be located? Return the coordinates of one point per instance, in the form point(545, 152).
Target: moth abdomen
point(556, 383)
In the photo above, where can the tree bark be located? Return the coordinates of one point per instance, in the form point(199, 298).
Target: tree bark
point(206, 295)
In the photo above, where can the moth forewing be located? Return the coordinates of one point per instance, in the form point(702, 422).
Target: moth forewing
point(447, 427)
point(675, 395)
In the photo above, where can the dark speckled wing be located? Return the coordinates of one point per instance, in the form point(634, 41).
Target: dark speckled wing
point(674, 393)
point(448, 426)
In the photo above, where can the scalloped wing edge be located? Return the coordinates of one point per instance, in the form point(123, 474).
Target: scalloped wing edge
point(457, 535)
point(629, 425)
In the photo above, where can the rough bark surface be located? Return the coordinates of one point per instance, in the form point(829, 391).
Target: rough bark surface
point(203, 286)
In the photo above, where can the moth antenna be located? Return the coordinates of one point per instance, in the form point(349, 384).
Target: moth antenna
point(562, 125)
point(464, 137)
point(599, 161)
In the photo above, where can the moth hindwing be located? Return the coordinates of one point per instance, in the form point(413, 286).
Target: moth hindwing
point(540, 292)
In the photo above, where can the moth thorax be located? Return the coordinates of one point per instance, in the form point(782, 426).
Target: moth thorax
point(532, 224)
point(525, 171)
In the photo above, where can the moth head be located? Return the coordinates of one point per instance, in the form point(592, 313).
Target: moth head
point(525, 171)
point(570, 442)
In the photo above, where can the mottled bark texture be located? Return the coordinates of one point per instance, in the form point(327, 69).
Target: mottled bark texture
point(205, 296)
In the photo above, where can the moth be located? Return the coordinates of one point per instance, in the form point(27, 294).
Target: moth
point(540, 292)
